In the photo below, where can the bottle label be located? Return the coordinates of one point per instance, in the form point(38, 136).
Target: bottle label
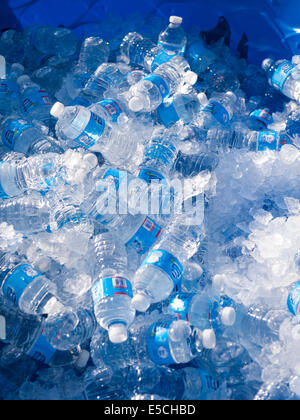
point(272, 140)
point(42, 351)
point(167, 263)
point(172, 48)
point(93, 130)
point(36, 99)
point(8, 87)
point(17, 281)
point(294, 299)
point(167, 113)
point(112, 107)
point(146, 236)
point(282, 73)
point(3, 194)
point(12, 130)
point(262, 116)
point(180, 305)
point(162, 57)
point(149, 175)
point(218, 111)
point(111, 286)
point(158, 343)
point(161, 85)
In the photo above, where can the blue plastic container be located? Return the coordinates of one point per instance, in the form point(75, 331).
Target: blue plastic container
point(272, 26)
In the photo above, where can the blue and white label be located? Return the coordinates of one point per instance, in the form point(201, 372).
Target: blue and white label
point(158, 343)
point(112, 108)
point(36, 99)
point(146, 236)
point(3, 194)
point(92, 132)
point(167, 113)
point(160, 83)
point(162, 57)
point(11, 131)
point(8, 87)
point(42, 351)
point(111, 286)
point(180, 305)
point(167, 263)
point(218, 111)
point(17, 282)
point(262, 116)
point(282, 73)
point(272, 140)
point(294, 299)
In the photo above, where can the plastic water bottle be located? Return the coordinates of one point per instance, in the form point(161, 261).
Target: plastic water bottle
point(93, 129)
point(9, 90)
point(28, 289)
point(259, 119)
point(137, 231)
point(29, 214)
point(293, 123)
point(181, 107)
point(284, 76)
point(112, 292)
point(35, 103)
point(162, 269)
point(167, 342)
point(294, 299)
point(151, 92)
point(94, 51)
point(219, 110)
point(55, 41)
point(191, 165)
point(210, 69)
point(173, 37)
point(67, 330)
point(252, 140)
point(24, 137)
point(159, 156)
point(38, 173)
point(209, 315)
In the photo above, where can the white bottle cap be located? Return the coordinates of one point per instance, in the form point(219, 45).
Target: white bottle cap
point(267, 63)
point(209, 340)
point(23, 79)
point(118, 333)
point(83, 359)
point(18, 66)
point(141, 302)
point(202, 98)
point(231, 95)
point(135, 104)
point(228, 316)
point(190, 77)
point(2, 328)
point(57, 110)
point(176, 20)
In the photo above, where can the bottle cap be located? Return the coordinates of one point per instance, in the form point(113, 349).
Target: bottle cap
point(135, 104)
point(267, 63)
point(228, 316)
point(190, 77)
point(231, 95)
point(209, 340)
point(18, 66)
point(202, 98)
point(118, 333)
point(23, 79)
point(2, 328)
point(57, 109)
point(83, 359)
point(176, 20)
point(141, 302)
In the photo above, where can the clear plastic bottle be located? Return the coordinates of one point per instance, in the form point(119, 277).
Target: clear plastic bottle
point(284, 76)
point(259, 119)
point(9, 90)
point(151, 92)
point(163, 267)
point(35, 103)
point(210, 69)
point(28, 289)
point(166, 342)
point(294, 299)
point(25, 137)
point(112, 292)
point(173, 37)
point(55, 41)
